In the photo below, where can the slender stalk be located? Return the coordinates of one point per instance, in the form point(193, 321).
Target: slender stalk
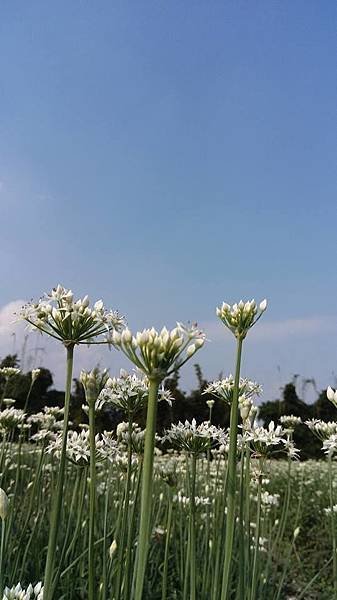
point(257, 537)
point(2, 546)
point(333, 529)
point(192, 531)
point(146, 492)
point(231, 476)
point(121, 539)
point(92, 501)
point(56, 508)
point(167, 546)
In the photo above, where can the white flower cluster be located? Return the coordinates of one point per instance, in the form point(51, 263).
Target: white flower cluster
point(332, 395)
point(78, 447)
point(68, 320)
point(8, 372)
point(322, 429)
point(130, 393)
point(262, 438)
point(330, 445)
point(158, 354)
point(18, 593)
point(239, 318)
point(268, 499)
point(194, 438)
point(224, 388)
point(49, 422)
point(290, 421)
point(328, 510)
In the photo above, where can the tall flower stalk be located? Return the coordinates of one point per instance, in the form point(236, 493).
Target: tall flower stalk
point(157, 355)
point(238, 318)
point(93, 383)
point(71, 323)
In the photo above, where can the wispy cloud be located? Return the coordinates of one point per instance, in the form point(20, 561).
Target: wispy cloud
point(276, 330)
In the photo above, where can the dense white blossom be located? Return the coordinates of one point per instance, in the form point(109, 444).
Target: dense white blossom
point(71, 321)
point(19, 593)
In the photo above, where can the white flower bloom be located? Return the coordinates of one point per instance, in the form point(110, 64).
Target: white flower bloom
point(129, 392)
point(78, 446)
point(239, 318)
point(194, 438)
point(262, 438)
point(18, 593)
point(224, 388)
point(70, 321)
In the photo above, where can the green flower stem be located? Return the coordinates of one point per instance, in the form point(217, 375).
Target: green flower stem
point(247, 519)
point(257, 536)
point(333, 529)
point(57, 503)
point(122, 538)
point(146, 491)
point(231, 480)
point(192, 531)
point(167, 546)
point(92, 501)
point(242, 570)
point(2, 546)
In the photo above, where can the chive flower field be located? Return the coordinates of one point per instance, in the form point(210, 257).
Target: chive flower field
point(197, 513)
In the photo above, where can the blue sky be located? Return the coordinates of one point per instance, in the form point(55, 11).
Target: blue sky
point(166, 156)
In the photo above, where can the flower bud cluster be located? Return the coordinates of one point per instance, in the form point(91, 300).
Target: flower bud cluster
point(239, 318)
point(35, 374)
point(158, 354)
point(332, 395)
point(8, 372)
point(4, 504)
point(322, 429)
point(290, 421)
point(71, 321)
point(10, 418)
point(93, 382)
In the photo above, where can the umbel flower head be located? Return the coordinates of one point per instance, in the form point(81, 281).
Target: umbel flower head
point(224, 388)
point(19, 593)
point(8, 372)
point(129, 392)
point(158, 354)
point(71, 321)
point(239, 318)
point(194, 438)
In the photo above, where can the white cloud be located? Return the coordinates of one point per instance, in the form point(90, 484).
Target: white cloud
point(277, 330)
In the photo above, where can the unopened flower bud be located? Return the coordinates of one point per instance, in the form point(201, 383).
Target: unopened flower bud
point(4, 504)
